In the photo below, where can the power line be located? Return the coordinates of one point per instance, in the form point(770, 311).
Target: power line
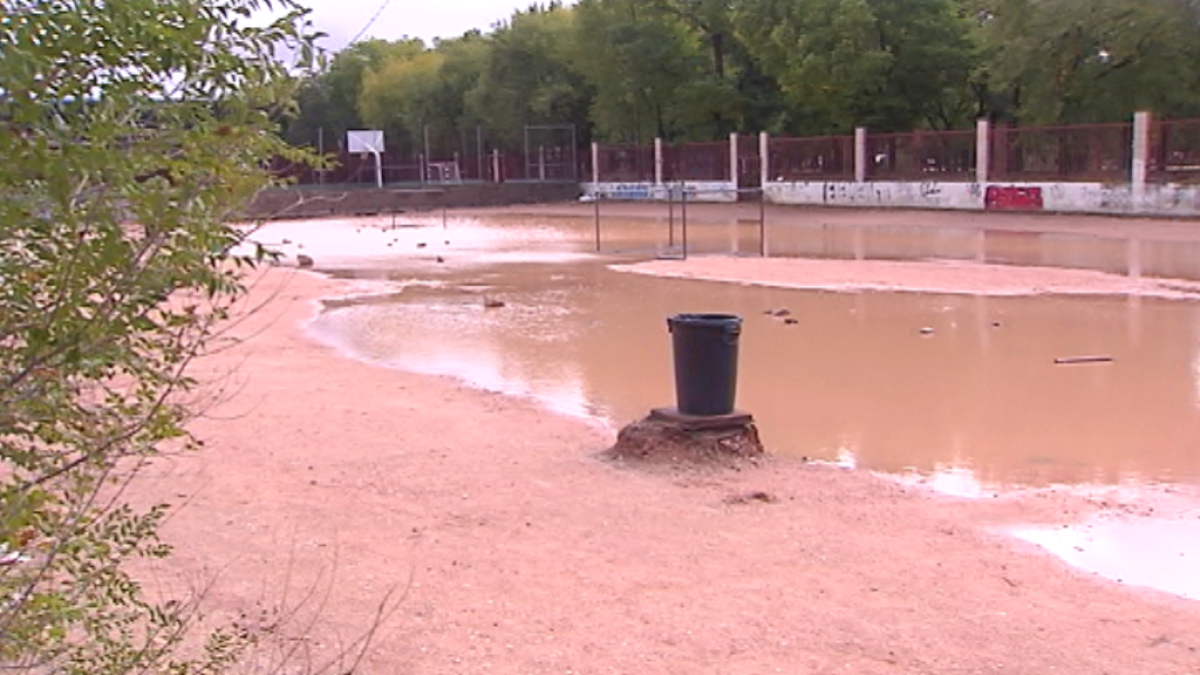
point(370, 23)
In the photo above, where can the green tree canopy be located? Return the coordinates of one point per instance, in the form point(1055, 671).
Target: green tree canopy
point(1061, 62)
point(330, 99)
point(890, 65)
point(632, 70)
point(528, 77)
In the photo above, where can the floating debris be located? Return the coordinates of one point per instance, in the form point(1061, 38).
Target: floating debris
point(927, 331)
point(492, 303)
point(1073, 360)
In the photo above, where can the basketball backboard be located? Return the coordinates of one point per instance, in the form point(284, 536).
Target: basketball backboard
point(365, 141)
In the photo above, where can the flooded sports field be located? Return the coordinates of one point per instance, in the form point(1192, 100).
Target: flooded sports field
point(972, 393)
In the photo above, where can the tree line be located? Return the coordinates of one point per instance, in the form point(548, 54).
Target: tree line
point(627, 71)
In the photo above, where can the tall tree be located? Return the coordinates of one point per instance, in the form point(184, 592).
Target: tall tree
point(648, 74)
point(400, 97)
point(713, 20)
point(751, 98)
point(329, 100)
point(1063, 62)
point(528, 78)
point(457, 122)
point(886, 64)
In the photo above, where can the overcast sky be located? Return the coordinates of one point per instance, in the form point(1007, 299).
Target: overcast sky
point(425, 19)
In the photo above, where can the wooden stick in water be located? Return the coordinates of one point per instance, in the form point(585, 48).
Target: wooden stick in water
point(1072, 360)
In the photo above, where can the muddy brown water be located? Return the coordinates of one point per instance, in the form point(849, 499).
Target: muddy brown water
point(978, 403)
point(973, 409)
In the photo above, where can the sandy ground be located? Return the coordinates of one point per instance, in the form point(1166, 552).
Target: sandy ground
point(917, 277)
point(511, 547)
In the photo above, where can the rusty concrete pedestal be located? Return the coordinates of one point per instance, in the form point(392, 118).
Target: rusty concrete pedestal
point(668, 436)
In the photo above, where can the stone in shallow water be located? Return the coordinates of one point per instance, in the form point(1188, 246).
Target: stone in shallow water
point(666, 437)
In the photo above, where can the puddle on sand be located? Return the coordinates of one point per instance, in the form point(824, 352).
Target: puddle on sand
point(977, 406)
point(855, 377)
point(1158, 553)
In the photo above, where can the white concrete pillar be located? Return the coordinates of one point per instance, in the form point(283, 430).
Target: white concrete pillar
point(764, 158)
point(1141, 157)
point(658, 162)
point(496, 167)
point(595, 162)
point(733, 159)
point(983, 150)
point(860, 155)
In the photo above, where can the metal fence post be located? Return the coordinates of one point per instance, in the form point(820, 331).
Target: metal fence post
point(762, 222)
point(671, 216)
point(683, 208)
point(596, 200)
point(658, 162)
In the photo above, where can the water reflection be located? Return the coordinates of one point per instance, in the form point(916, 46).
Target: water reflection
point(976, 405)
point(1162, 553)
point(855, 377)
point(364, 241)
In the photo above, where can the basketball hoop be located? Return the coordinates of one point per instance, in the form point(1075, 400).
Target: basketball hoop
point(368, 142)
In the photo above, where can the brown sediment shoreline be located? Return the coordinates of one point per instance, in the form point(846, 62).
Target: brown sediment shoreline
point(946, 277)
point(517, 549)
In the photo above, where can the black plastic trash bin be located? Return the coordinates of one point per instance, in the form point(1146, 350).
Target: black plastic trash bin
point(706, 356)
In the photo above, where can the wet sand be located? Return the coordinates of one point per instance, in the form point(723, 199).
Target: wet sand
point(513, 548)
point(946, 277)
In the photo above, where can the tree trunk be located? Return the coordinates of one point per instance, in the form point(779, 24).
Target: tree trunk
point(717, 41)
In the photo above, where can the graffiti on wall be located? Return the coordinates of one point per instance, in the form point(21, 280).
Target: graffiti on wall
point(999, 198)
point(628, 191)
point(856, 193)
point(695, 191)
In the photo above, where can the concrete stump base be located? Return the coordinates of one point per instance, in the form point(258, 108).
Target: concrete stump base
point(667, 437)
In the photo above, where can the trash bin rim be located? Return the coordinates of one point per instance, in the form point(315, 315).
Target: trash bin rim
point(706, 319)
